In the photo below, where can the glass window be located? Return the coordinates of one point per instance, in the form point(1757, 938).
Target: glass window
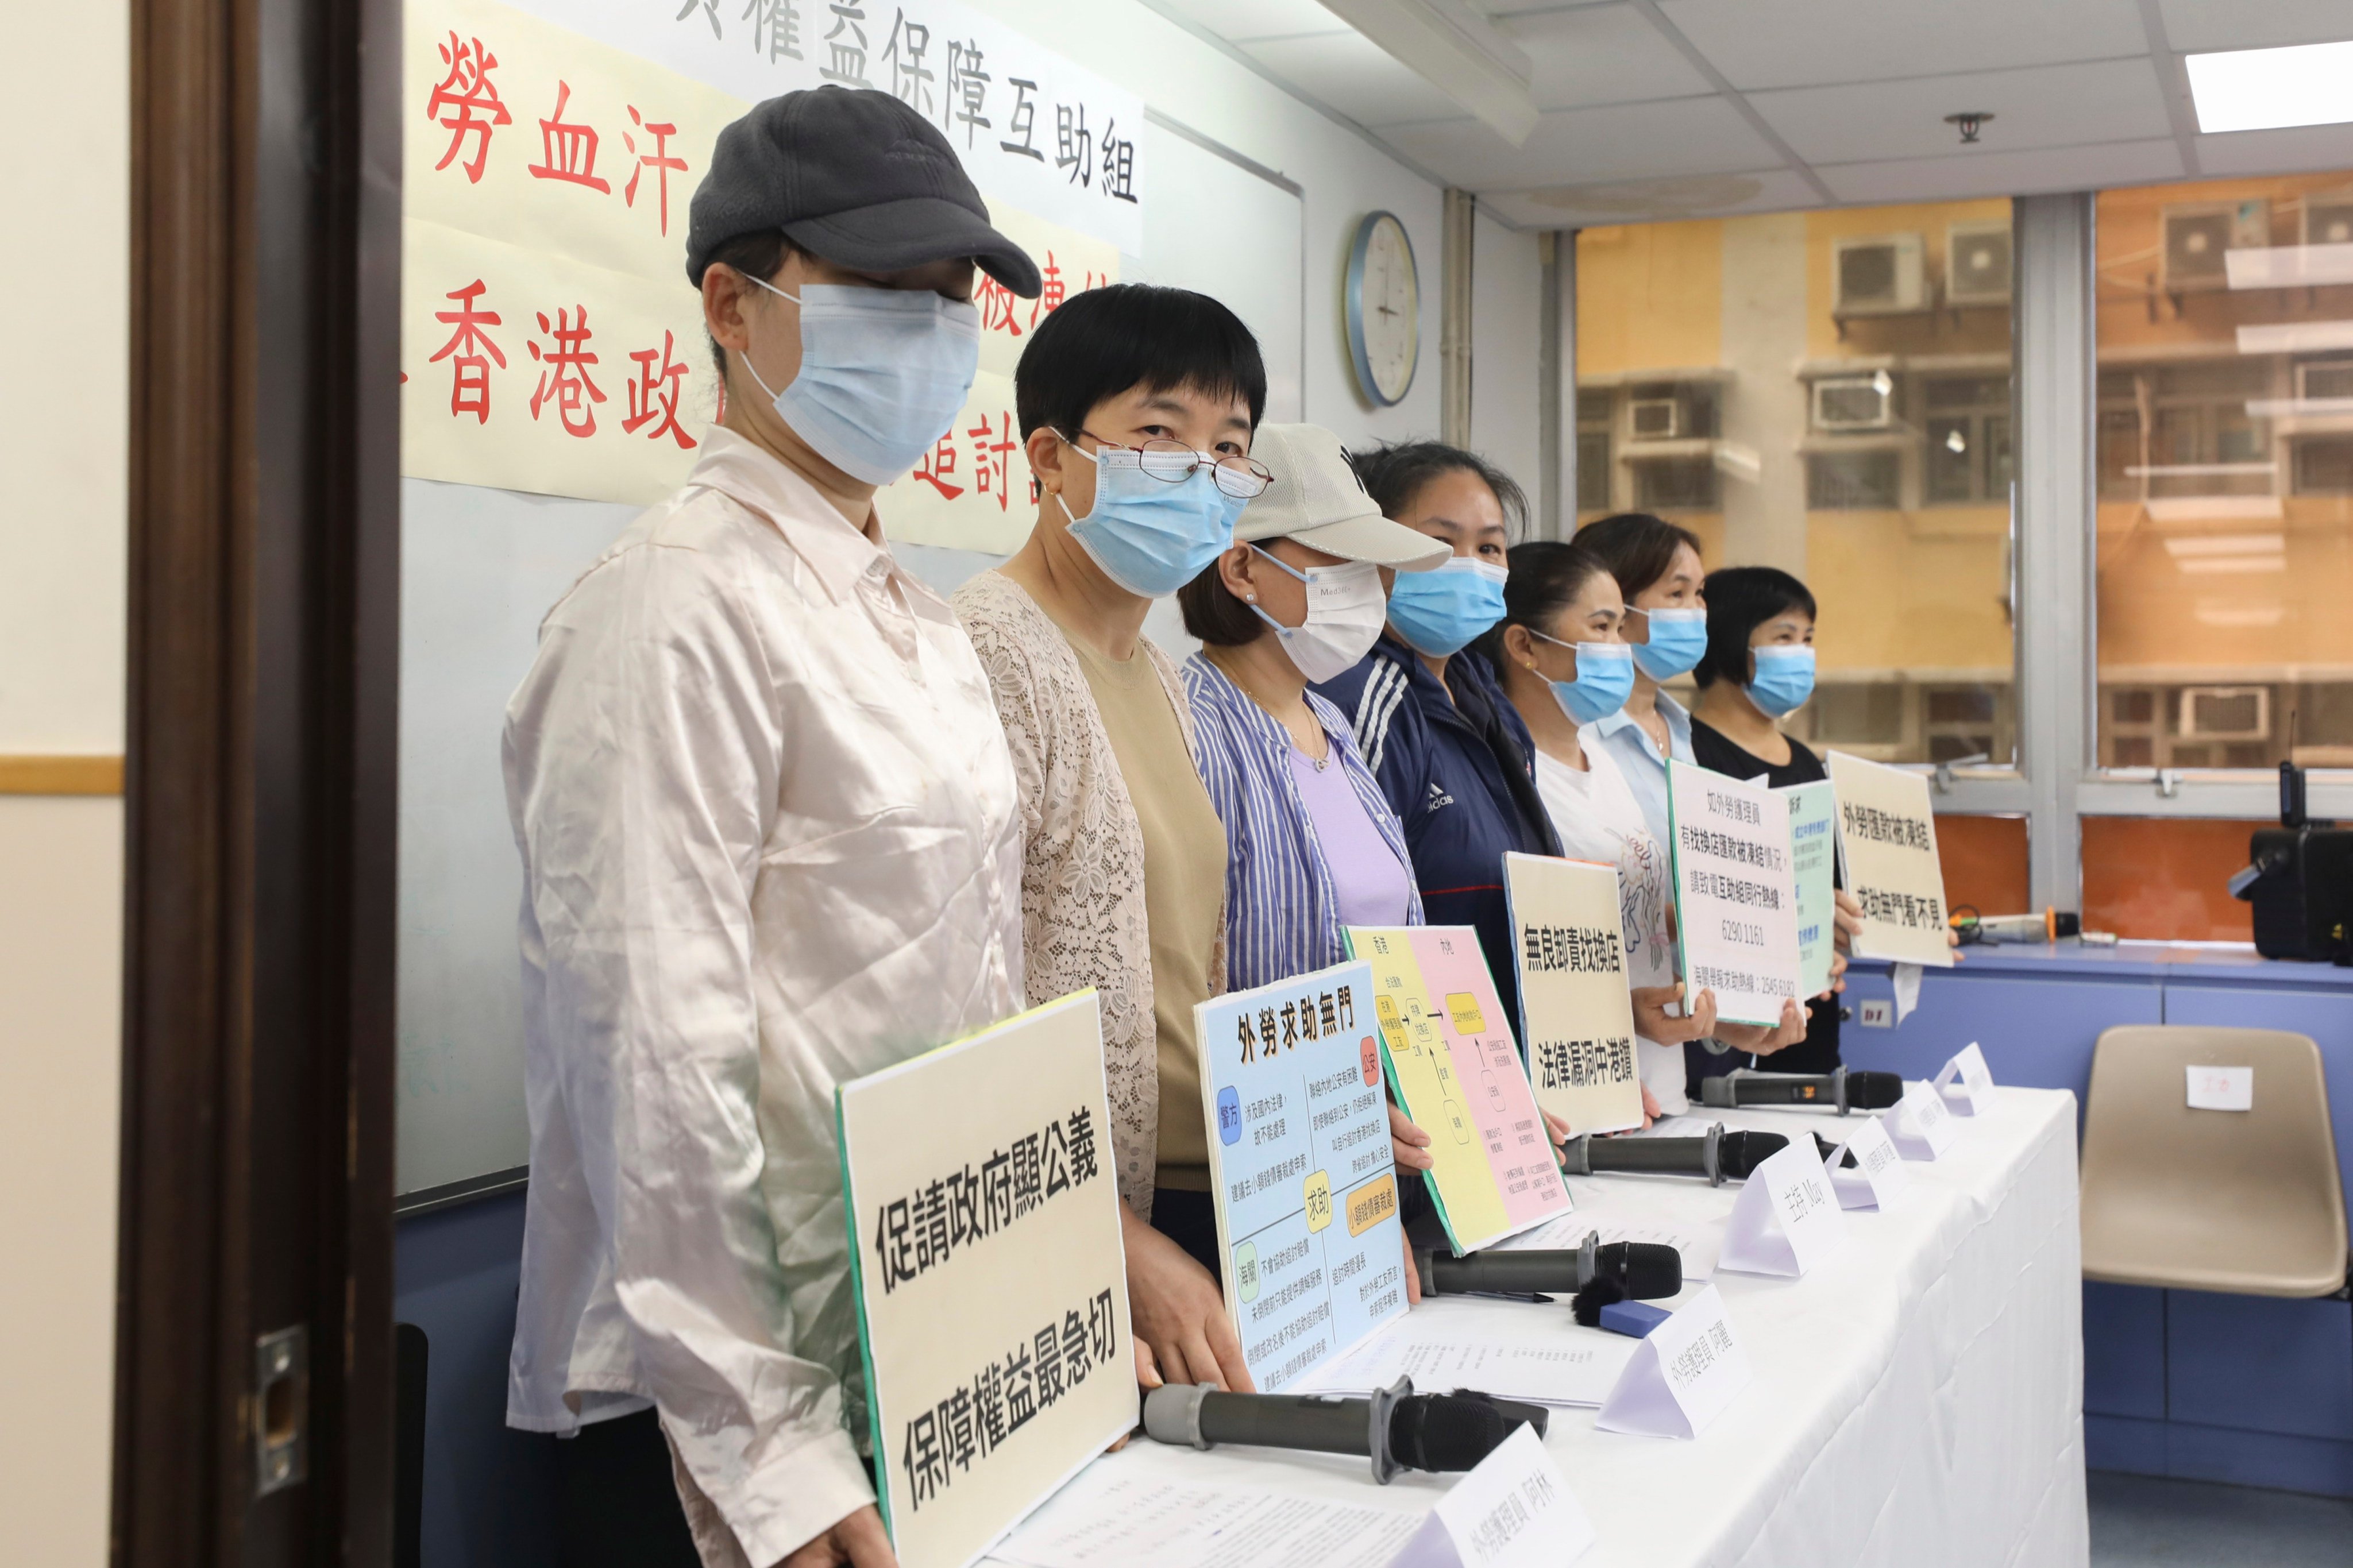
point(1830, 392)
point(2225, 456)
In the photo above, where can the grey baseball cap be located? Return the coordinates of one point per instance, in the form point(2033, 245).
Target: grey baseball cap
point(855, 176)
point(1317, 500)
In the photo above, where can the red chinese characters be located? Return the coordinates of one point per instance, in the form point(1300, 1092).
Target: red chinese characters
point(938, 465)
point(996, 304)
point(654, 395)
point(470, 100)
point(991, 470)
point(563, 379)
point(659, 160)
point(568, 150)
point(470, 354)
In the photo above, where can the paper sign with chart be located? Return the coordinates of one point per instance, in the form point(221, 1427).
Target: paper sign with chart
point(1458, 1073)
point(1735, 902)
point(1887, 846)
point(1305, 1189)
point(1575, 1013)
point(986, 1268)
point(1813, 856)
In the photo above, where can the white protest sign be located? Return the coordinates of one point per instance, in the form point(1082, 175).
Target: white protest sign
point(1920, 1125)
point(1513, 1510)
point(1303, 1185)
point(1785, 1219)
point(1973, 1095)
point(988, 1277)
point(1813, 856)
point(2222, 1089)
point(1736, 903)
point(1576, 1014)
point(1878, 1178)
point(1887, 843)
point(1682, 1375)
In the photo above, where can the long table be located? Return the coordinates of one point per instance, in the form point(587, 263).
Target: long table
point(1918, 1398)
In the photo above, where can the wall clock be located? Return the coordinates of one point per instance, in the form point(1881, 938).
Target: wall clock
point(1383, 303)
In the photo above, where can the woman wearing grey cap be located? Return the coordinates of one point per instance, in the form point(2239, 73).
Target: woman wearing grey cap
point(747, 726)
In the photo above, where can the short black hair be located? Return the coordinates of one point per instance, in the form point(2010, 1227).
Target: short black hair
point(755, 254)
point(1100, 343)
point(1394, 474)
point(1546, 577)
point(1214, 616)
point(1638, 549)
point(1739, 600)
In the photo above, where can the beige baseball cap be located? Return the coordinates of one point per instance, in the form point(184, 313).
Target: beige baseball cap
point(1317, 500)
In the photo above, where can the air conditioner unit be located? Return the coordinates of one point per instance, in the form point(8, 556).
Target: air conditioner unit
point(1976, 263)
point(2197, 236)
point(2226, 712)
point(1854, 401)
point(2325, 378)
point(1886, 276)
point(2327, 219)
point(1656, 418)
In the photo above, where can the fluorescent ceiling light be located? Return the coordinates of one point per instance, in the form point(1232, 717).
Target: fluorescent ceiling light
point(2297, 407)
point(1458, 51)
point(2212, 508)
point(2176, 470)
point(2295, 338)
point(2218, 612)
point(2268, 89)
point(2289, 266)
point(2227, 544)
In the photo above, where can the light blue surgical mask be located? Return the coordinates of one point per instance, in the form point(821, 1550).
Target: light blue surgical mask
point(1785, 679)
point(1677, 638)
point(885, 371)
point(1604, 679)
point(1439, 612)
point(1153, 535)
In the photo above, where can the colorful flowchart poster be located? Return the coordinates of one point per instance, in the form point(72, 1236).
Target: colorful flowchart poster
point(1457, 1072)
point(1306, 1193)
point(1887, 843)
point(1814, 857)
point(1576, 1014)
point(989, 1279)
point(1736, 903)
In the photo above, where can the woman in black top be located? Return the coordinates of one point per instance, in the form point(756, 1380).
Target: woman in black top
point(1758, 666)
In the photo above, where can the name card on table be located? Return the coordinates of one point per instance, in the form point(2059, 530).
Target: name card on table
point(1735, 902)
point(1878, 1178)
point(1303, 1185)
point(2222, 1089)
point(1786, 1218)
point(1513, 1509)
point(986, 1267)
point(1682, 1375)
point(1887, 843)
point(1458, 1073)
point(1973, 1094)
point(1813, 855)
point(1920, 1125)
point(1576, 1012)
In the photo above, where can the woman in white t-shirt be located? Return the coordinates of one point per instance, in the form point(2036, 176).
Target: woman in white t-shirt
point(1564, 665)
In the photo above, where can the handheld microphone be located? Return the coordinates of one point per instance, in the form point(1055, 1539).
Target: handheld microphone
point(1719, 1156)
point(1643, 1269)
point(1397, 1428)
point(1842, 1090)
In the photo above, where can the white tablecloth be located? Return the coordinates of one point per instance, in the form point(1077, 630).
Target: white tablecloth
point(1917, 1401)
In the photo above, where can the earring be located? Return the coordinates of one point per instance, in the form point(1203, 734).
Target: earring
point(1249, 598)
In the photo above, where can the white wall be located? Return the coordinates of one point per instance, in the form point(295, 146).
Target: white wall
point(64, 287)
point(1506, 310)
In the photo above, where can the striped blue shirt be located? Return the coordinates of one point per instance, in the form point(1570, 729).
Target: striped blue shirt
point(1283, 912)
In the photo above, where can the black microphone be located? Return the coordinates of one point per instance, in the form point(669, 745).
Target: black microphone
point(1842, 1090)
point(1397, 1428)
point(1720, 1156)
point(1641, 1269)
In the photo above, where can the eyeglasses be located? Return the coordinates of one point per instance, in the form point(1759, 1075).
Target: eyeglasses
point(1173, 462)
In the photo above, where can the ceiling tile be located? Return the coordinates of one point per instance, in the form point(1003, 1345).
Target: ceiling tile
point(1651, 201)
point(2005, 173)
point(1236, 20)
point(1356, 75)
point(2047, 106)
point(1578, 146)
point(2192, 25)
point(1600, 54)
point(1803, 43)
point(2299, 151)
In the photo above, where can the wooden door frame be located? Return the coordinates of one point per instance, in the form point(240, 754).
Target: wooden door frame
point(262, 759)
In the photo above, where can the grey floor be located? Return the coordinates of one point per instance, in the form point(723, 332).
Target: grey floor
point(2145, 1521)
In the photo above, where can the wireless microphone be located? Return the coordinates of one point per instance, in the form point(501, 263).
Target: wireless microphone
point(1397, 1428)
point(1720, 1156)
point(1641, 1269)
point(1842, 1090)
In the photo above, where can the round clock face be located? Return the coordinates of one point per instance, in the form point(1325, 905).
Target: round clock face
point(1384, 308)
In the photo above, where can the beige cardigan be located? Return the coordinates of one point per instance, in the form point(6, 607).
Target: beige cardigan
point(1082, 912)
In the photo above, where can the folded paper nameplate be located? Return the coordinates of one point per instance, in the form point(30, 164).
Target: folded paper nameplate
point(1683, 1376)
point(1786, 1220)
point(1973, 1094)
point(1878, 1177)
point(1513, 1509)
point(1920, 1125)
point(2222, 1089)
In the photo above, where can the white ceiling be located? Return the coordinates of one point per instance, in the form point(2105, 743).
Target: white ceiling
point(1689, 108)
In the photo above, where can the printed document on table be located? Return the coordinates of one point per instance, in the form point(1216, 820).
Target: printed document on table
point(1130, 1521)
point(1503, 1348)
